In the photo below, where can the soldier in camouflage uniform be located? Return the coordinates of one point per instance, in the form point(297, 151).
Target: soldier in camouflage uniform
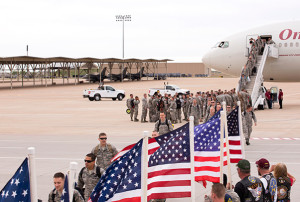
point(195, 111)
point(55, 194)
point(136, 102)
point(104, 152)
point(167, 102)
point(163, 126)
point(151, 108)
point(247, 117)
point(183, 106)
point(172, 110)
point(144, 109)
point(89, 176)
point(129, 104)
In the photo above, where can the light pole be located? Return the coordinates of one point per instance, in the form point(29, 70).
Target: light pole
point(123, 18)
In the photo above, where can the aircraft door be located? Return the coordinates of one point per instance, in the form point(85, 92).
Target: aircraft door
point(248, 46)
point(274, 93)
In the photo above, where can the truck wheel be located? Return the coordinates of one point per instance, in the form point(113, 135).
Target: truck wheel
point(120, 97)
point(97, 97)
point(91, 98)
point(114, 99)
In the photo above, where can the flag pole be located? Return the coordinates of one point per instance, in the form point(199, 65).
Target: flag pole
point(227, 147)
point(32, 174)
point(192, 156)
point(144, 166)
point(221, 145)
point(241, 129)
point(72, 178)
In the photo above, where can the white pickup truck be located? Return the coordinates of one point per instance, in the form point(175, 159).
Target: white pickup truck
point(169, 89)
point(103, 92)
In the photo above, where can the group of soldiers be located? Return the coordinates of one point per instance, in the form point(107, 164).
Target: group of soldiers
point(201, 105)
point(96, 162)
point(250, 68)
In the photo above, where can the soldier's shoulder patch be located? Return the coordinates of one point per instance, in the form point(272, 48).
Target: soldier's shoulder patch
point(252, 179)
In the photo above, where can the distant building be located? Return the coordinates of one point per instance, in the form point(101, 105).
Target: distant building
point(193, 69)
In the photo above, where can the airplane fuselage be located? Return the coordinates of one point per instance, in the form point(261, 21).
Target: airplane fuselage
point(231, 58)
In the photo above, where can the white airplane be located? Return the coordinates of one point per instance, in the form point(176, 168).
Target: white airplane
point(228, 55)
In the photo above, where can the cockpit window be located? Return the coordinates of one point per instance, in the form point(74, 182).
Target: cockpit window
point(222, 44)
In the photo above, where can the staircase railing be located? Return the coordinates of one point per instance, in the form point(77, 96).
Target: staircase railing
point(259, 76)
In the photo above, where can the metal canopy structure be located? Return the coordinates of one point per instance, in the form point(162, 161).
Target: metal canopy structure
point(27, 67)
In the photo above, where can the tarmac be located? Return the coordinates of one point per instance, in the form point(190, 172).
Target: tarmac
point(63, 127)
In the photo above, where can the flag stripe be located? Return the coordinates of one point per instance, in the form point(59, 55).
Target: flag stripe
point(231, 151)
point(234, 142)
point(168, 190)
point(171, 195)
point(134, 195)
point(169, 172)
point(170, 183)
point(169, 178)
point(203, 168)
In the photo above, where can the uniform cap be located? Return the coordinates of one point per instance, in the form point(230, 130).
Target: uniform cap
point(243, 164)
point(263, 163)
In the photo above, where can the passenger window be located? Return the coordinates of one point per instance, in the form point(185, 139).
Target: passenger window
point(109, 88)
point(169, 88)
point(280, 44)
point(291, 44)
point(297, 44)
point(285, 44)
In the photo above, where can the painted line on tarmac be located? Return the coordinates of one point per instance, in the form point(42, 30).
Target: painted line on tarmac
point(15, 157)
point(12, 147)
point(275, 138)
point(273, 152)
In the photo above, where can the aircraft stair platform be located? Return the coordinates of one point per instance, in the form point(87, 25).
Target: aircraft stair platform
point(254, 84)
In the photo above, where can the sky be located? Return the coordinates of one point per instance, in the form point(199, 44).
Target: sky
point(162, 29)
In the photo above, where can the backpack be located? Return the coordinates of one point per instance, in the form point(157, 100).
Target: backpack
point(81, 191)
point(53, 195)
point(97, 148)
point(132, 103)
point(160, 105)
point(178, 103)
point(159, 123)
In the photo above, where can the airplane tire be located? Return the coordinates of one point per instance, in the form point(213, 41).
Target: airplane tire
point(120, 97)
point(91, 98)
point(114, 99)
point(97, 97)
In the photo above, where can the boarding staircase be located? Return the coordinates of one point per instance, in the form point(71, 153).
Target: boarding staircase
point(254, 86)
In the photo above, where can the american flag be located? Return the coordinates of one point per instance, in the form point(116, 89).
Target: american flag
point(168, 172)
point(235, 147)
point(169, 166)
point(18, 187)
point(121, 182)
point(207, 150)
point(65, 192)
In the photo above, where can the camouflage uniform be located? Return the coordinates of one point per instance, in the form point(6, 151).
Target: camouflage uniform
point(157, 200)
point(151, 109)
point(167, 103)
point(163, 127)
point(195, 111)
point(89, 179)
point(55, 196)
point(128, 104)
point(178, 109)
point(136, 109)
point(184, 109)
point(144, 109)
point(104, 155)
point(172, 110)
point(247, 123)
point(155, 110)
